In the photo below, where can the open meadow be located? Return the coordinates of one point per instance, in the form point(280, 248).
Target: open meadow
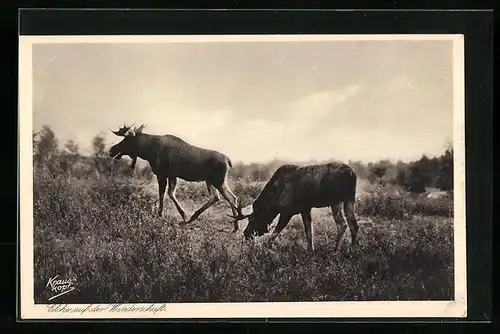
point(105, 232)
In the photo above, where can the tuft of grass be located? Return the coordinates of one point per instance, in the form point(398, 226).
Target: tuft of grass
point(105, 233)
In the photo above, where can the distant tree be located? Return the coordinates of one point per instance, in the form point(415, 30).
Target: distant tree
point(71, 147)
point(376, 171)
point(45, 146)
point(418, 175)
point(434, 169)
point(379, 171)
point(256, 172)
point(444, 179)
point(101, 163)
point(401, 177)
point(69, 156)
point(238, 171)
point(98, 146)
point(360, 168)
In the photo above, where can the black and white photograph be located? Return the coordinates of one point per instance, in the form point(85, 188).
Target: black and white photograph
point(242, 176)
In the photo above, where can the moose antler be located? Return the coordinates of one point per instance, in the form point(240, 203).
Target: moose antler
point(240, 215)
point(139, 129)
point(135, 131)
point(122, 131)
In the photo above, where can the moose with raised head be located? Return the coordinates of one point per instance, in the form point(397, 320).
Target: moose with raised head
point(170, 158)
point(296, 190)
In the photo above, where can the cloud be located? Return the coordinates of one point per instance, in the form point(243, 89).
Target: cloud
point(322, 102)
point(290, 136)
point(306, 113)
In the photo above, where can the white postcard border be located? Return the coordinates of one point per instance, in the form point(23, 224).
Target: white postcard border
point(30, 310)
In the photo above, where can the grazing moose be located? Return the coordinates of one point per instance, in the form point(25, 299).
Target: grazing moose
point(293, 190)
point(170, 158)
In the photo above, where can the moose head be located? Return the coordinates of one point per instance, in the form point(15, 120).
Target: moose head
point(259, 218)
point(128, 146)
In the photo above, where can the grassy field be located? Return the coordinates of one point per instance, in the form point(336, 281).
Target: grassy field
point(106, 234)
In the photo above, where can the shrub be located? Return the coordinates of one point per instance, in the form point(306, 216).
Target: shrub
point(394, 203)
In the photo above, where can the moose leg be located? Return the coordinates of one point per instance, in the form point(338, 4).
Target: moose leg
point(134, 161)
point(172, 186)
point(351, 220)
point(341, 224)
point(282, 222)
point(307, 220)
point(232, 200)
point(162, 184)
point(214, 198)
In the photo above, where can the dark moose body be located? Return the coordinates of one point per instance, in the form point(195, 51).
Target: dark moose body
point(293, 189)
point(170, 158)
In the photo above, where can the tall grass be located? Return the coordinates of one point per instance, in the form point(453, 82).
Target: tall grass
point(105, 233)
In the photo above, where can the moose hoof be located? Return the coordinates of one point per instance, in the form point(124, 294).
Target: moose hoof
point(184, 223)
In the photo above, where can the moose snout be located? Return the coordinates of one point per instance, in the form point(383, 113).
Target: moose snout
point(113, 152)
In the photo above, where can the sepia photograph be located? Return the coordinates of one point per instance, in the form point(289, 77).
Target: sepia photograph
point(242, 176)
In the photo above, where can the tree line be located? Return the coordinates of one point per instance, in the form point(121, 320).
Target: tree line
point(67, 160)
point(415, 176)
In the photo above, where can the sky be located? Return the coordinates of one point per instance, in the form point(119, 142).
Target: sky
point(254, 101)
